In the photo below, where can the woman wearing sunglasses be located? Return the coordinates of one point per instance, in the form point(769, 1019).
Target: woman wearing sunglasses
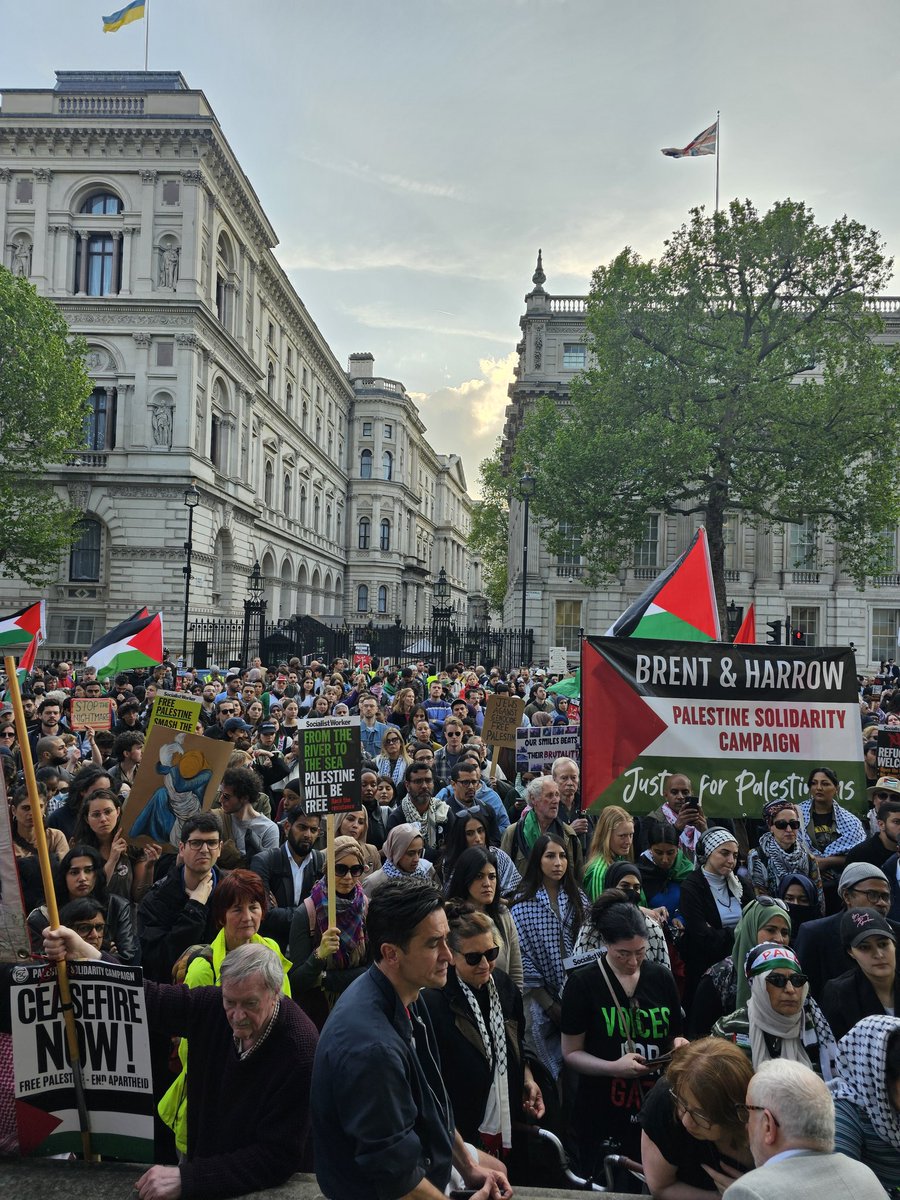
point(329, 957)
point(780, 1019)
point(782, 851)
point(479, 1022)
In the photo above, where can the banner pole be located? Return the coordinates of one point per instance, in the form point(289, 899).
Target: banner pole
point(40, 838)
point(329, 869)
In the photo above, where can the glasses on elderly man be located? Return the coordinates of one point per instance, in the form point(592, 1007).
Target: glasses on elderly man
point(744, 1110)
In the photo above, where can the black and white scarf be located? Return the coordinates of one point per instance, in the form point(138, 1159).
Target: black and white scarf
point(862, 1078)
point(429, 822)
point(496, 1123)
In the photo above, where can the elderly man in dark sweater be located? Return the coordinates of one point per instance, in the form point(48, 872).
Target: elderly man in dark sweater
point(250, 1056)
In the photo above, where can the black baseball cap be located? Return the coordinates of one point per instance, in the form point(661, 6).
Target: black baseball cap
point(859, 923)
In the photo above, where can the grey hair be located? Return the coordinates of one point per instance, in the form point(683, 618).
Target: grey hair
point(563, 762)
point(253, 959)
point(799, 1099)
point(535, 789)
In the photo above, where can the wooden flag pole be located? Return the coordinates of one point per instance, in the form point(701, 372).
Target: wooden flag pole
point(329, 870)
point(40, 838)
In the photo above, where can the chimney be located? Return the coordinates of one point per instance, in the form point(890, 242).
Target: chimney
point(361, 366)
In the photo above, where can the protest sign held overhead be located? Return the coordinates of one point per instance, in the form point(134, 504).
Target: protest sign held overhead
point(90, 712)
point(175, 710)
point(502, 717)
point(537, 747)
point(329, 759)
point(746, 723)
point(888, 753)
point(179, 775)
point(111, 1019)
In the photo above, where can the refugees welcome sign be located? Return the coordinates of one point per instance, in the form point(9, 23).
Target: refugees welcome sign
point(746, 724)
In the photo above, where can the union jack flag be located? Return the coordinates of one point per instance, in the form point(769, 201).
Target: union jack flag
point(703, 143)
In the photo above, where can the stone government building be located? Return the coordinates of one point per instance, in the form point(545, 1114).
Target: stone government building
point(791, 572)
point(122, 201)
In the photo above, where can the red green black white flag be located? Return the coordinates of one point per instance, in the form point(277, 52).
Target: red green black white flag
point(137, 642)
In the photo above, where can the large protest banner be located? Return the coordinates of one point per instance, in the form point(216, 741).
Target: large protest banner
point(112, 1031)
point(537, 746)
point(179, 775)
point(746, 723)
point(329, 758)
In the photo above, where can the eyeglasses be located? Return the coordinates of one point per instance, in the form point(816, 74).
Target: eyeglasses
point(786, 824)
point(884, 795)
point(778, 980)
point(474, 957)
point(744, 1110)
point(199, 844)
point(353, 869)
point(89, 927)
point(699, 1118)
point(872, 896)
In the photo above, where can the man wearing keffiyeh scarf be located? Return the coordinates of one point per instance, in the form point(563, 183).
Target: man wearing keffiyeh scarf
point(419, 807)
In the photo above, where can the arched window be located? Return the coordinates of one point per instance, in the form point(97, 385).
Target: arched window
point(215, 441)
point(365, 464)
point(302, 513)
point(268, 485)
point(385, 535)
point(365, 527)
point(339, 536)
point(317, 512)
point(270, 381)
point(362, 598)
point(102, 204)
point(382, 599)
point(318, 431)
point(387, 465)
point(304, 420)
point(328, 520)
point(84, 557)
point(288, 496)
point(330, 443)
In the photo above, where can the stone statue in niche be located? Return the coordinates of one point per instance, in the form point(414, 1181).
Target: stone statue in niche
point(22, 259)
point(168, 266)
point(538, 349)
point(161, 425)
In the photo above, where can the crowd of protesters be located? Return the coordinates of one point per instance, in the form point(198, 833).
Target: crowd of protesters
point(616, 978)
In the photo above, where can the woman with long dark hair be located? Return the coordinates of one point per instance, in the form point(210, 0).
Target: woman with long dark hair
point(99, 825)
point(829, 831)
point(478, 827)
point(25, 848)
point(548, 910)
point(621, 1020)
point(80, 874)
point(475, 881)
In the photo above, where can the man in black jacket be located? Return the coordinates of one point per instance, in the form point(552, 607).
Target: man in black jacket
point(176, 912)
point(289, 871)
point(819, 946)
point(879, 848)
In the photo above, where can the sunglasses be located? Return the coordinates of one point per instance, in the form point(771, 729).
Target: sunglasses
point(474, 957)
point(353, 869)
point(778, 980)
point(786, 824)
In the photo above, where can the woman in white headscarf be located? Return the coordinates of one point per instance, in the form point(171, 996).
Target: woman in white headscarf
point(404, 850)
point(867, 1098)
point(713, 897)
point(780, 1020)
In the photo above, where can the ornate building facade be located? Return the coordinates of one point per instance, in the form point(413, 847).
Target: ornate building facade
point(789, 573)
point(122, 202)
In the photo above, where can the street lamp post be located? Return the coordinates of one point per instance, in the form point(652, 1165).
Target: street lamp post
point(731, 613)
point(527, 488)
point(440, 612)
point(191, 500)
point(254, 606)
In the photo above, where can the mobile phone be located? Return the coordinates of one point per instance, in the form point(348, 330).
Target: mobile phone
point(692, 803)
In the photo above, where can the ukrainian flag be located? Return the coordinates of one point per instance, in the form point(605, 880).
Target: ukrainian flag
point(131, 12)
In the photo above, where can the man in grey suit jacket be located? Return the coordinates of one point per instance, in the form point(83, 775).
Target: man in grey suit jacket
point(790, 1125)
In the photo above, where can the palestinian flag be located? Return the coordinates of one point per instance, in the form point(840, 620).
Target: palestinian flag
point(570, 686)
point(679, 605)
point(137, 642)
point(747, 632)
point(27, 661)
point(23, 627)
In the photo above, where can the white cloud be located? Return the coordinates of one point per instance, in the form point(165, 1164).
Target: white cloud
point(379, 318)
point(394, 182)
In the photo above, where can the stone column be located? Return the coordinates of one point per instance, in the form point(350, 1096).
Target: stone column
point(145, 275)
point(127, 242)
point(39, 264)
point(116, 263)
point(192, 197)
point(61, 239)
point(139, 424)
point(183, 420)
point(82, 283)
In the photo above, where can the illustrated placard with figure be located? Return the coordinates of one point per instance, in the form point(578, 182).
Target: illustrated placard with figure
point(179, 775)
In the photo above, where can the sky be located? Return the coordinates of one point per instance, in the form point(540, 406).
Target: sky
point(412, 155)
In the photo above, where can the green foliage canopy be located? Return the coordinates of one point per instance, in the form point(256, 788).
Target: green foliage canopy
point(489, 533)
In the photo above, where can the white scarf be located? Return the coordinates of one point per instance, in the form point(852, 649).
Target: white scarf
point(764, 1019)
point(496, 1119)
point(689, 834)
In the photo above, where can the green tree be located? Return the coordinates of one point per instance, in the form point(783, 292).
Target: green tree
point(43, 402)
point(489, 533)
point(740, 372)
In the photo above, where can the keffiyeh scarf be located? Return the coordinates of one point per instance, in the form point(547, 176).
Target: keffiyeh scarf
point(436, 814)
point(496, 1123)
point(763, 1019)
point(849, 830)
point(773, 862)
point(689, 834)
point(861, 1076)
point(351, 919)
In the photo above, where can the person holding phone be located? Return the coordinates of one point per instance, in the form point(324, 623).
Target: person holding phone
point(621, 1020)
point(682, 810)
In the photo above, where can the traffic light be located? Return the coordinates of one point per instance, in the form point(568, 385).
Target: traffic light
point(798, 637)
point(774, 628)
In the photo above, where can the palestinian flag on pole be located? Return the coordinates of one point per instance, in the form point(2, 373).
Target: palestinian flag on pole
point(679, 605)
point(23, 627)
point(747, 632)
point(137, 642)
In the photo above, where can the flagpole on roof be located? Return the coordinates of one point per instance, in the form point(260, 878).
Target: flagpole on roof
point(718, 155)
point(147, 59)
